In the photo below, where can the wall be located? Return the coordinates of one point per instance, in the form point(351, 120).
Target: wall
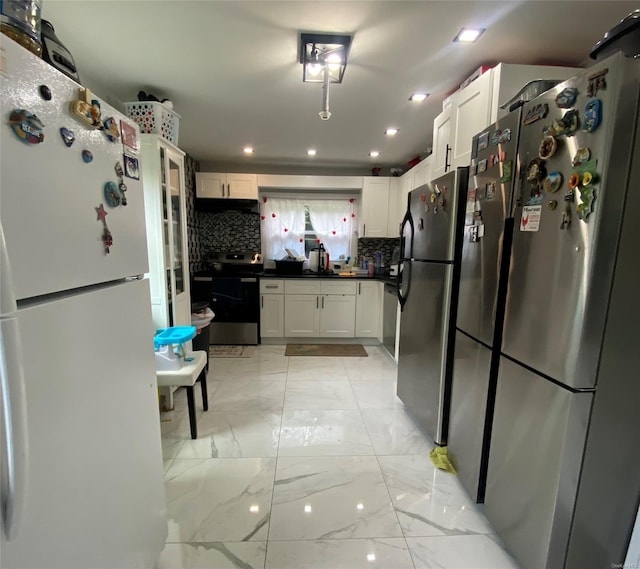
point(369, 246)
point(193, 228)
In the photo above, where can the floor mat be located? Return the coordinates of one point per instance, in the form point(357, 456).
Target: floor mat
point(340, 350)
point(231, 351)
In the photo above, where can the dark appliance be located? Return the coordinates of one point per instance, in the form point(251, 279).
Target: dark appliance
point(431, 243)
point(483, 272)
point(563, 479)
point(231, 288)
point(54, 52)
point(623, 37)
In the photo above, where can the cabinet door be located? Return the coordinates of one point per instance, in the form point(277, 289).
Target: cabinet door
point(375, 199)
point(441, 157)
point(368, 307)
point(472, 108)
point(394, 217)
point(243, 186)
point(422, 174)
point(302, 315)
point(337, 316)
point(210, 185)
point(272, 316)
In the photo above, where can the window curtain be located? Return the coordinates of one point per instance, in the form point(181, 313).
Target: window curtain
point(331, 220)
point(282, 227)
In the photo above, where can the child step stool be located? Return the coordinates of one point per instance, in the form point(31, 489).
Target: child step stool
point(175, 367)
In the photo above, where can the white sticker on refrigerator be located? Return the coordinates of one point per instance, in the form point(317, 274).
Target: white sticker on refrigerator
point(530, 220)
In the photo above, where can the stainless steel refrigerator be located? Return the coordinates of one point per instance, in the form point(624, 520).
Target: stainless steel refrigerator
point(431, 243)
point(488, 228)
point(563, 481)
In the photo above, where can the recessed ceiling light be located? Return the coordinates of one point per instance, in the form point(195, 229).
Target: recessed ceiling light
point(418, 97)
point(311, 152)
point(247, 150)
point(468, 35)
point(391, 131)
point(374, 154)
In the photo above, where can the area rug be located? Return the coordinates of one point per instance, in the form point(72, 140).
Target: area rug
point(340, 350)
point(231, 351)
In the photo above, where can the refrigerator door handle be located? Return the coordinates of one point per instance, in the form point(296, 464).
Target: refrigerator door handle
point(408, 219)
point(404, 273)
point(12, 386)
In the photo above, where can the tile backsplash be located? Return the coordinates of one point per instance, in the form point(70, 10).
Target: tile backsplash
point(369, 246)
point(193, 230)
point(229, 231)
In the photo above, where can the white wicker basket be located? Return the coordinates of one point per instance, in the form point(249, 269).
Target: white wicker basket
point(155, 118)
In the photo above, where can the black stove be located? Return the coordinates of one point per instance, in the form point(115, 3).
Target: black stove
point(230, 286)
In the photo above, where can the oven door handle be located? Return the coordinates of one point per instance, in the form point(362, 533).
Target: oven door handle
point(248, 280)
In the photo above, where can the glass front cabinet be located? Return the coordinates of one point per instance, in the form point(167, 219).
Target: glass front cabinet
point(166, 219)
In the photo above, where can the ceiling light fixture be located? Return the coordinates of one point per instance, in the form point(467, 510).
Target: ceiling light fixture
point(374, 154)
point(311, 152)
point(418, 97)
point(391, 131)
point(468, 35)
point(324, 59)
point(247, 150)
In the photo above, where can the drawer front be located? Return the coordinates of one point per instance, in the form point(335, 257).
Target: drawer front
point(299, 286)
point(271, 286)
point(337, 287)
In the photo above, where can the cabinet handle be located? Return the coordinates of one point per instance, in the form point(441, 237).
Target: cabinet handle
point(317, 303)
point(270, 286)
point(359, 287)
point(446, 159)
point(227, 190)
point(262, 302)
point(323, 302)
point(364, 230)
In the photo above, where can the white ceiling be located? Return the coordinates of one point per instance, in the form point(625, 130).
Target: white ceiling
point(231, 68)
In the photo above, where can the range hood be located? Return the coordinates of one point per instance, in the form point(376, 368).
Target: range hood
point(227, 204)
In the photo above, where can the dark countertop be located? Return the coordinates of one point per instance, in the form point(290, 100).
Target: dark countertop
point(385, 278)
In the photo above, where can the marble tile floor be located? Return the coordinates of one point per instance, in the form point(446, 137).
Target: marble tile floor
point(312, 463)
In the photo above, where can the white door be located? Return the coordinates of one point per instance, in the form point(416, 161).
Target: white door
point(243, 186)
point(210, 185)
point(441, 157)
point(95, 492)
point(272, 315)
point(337, 316)
point(472, 107)
point(302, 315)
point(368, 308)
point(49, 196)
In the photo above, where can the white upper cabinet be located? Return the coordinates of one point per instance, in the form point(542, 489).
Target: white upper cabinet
point(223, 186)
point(373, 206)
point(477, 106)
point(394, 216)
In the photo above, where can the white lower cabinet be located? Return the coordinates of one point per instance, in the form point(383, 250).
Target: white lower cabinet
point(302, 315)
point(337, 316)
point(323, 308)
point(368, 309)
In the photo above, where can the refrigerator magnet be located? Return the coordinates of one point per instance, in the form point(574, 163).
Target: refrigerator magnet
point(507, 171)
point(112, 194)
point(110, 128)
point(481, 193)
point(45, 92)
point(107, 239)
point(483, 141)
point(536, 113)
point(491, 190)
point(131, 167)
point(495, 137)
point(596, 82)
point(27, 126)
point(68, 137)
point(592, 115)
point(530, 220)
point(547, 148)
point(505, 136)
point(582, 155)
point(129, 136)
point(567, 98)
point(568, 124)
point(585, 206)
point(482, 166)
point(87, 156)
point(553, 182)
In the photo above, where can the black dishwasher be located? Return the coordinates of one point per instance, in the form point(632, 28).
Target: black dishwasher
point(389, 318)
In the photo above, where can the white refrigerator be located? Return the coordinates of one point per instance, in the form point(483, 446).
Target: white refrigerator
point(81, 463)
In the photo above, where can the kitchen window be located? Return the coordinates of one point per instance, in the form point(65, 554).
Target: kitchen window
point(299, 223)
